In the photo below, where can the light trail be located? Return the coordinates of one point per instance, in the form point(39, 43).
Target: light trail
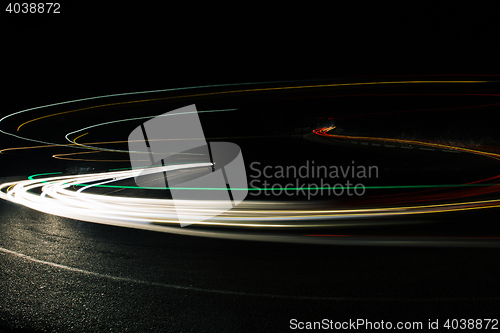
point(56, 198)
point(124, 120)
point(331, 85)
point(495, 187)
point(53, 195)
point(324, 132)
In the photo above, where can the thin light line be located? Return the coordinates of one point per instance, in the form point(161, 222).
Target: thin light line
point(238, 293)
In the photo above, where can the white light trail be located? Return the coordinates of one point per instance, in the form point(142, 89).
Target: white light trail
point(58, 198)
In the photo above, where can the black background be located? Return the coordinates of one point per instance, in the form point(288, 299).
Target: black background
point(92, 48)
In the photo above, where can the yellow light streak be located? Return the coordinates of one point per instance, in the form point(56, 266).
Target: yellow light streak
point(246, 91)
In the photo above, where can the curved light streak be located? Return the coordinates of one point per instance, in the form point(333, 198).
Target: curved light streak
point(324, 132)
point(56, 198)
point(154, 214)
point(212, 94)
point(123, 120)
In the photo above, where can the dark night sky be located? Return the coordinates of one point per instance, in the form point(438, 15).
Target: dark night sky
point(93, 48)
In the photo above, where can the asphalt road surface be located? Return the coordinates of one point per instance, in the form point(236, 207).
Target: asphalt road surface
point(59, 274)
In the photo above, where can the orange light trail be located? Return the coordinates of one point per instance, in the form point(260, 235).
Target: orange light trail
point(252, 90)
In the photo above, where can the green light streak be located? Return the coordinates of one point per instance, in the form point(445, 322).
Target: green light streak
point(43, 174)
point(265, 189)
point(288, 188)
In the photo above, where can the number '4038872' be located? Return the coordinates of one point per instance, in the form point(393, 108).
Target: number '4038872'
point(34, 8)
